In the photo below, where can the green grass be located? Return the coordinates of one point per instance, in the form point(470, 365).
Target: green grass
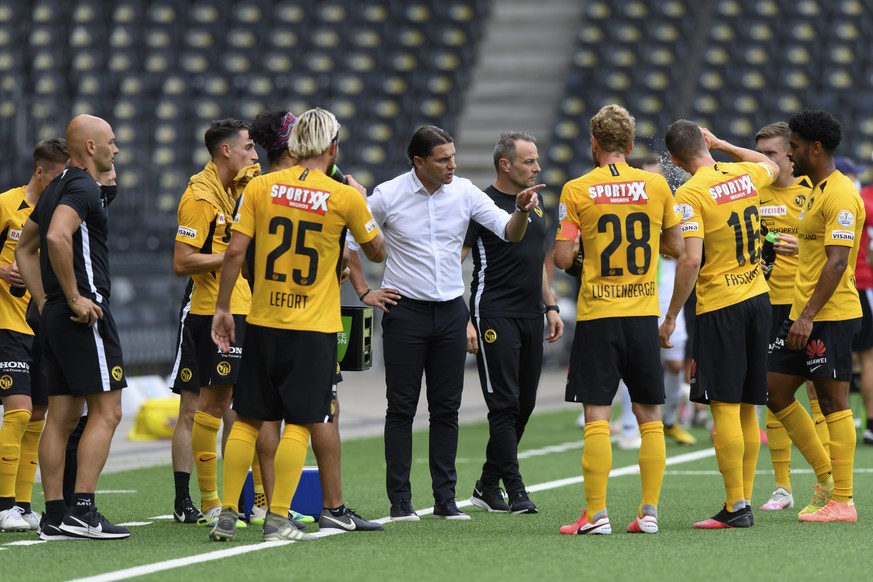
point(490, 546)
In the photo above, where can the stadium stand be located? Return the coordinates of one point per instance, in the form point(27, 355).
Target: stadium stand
point(733, 65)
point(161, 70)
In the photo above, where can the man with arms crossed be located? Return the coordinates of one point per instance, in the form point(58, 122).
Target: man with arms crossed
point(815, 342)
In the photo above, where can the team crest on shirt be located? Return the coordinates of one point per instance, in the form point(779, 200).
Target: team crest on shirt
point(117, 373)
point(490, 336)
point(846, 218)
point(800, 200)
point(305, 199)
point(5, 382)
point(223, 368)
point(686, 211)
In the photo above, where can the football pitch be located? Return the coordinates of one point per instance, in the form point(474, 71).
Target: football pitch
point(488, 547)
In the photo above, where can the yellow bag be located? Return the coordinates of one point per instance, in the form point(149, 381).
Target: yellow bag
point(156, 419)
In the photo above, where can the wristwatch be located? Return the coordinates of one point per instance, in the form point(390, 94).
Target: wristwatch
point(554, 308)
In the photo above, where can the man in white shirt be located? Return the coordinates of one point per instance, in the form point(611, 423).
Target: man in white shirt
point(424, 215)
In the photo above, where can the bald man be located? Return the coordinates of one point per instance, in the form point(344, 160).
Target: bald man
point(64, 261)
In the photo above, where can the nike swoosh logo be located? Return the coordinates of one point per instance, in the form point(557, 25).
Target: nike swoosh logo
point(814, 369)
point(10, 459)
point(97, 528)
point(348, 526)
point(477, 492)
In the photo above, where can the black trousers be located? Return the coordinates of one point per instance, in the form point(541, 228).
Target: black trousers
point(510, 360)
point(423, 337)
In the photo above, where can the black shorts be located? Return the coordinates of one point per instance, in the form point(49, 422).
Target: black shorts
point(779, 316)
point(509, 360)
point(198, 361)
point(287, 375)
point(16, 363)
point(828, 352)
point(729, 356)
point(864, 339)
point(607, 350)
point(79, 360)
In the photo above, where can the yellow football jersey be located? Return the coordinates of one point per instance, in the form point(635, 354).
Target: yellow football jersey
point(298, 218)
point(720, 205)
point(620, 212)
point(204, 227)
point(780, 212)
point(834, 215)
point(14, 211)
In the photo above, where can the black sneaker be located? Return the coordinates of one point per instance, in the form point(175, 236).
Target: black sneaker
point(402, 510)
point(725, 519)
point(50, 532)
point(184, 511)
point(521, 504)
point(488, 498)
point(751, 515)
point(448, 510)
point(348, 520)
point(92, 525)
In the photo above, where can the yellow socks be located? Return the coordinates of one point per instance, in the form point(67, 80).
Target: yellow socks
point(841, 427)
point(237, 460)
point(779, 444)
point(751, 447)
point(821, 425)
point(729, 446)
point(258, 480)
point(11, 433)
point(800, 428)
point(653, 460)
point(204, 436)
point(29, 461)
point(290, 457)
point(596, 464)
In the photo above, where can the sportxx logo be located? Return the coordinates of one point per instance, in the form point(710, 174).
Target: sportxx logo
point(306, 199)
point(734, 189)
point(5, 382)
point(815, 349)
point(619, 193)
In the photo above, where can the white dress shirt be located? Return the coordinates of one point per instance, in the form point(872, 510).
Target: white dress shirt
point(424, 233)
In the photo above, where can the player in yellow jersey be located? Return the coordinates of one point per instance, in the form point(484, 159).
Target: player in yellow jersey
point(815, 342)
point(719, 206)
point(625, 218)
point(300, 217)
point(24, 397)
point(781, 203)
point(201, 375)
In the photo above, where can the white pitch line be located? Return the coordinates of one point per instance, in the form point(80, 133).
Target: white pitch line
point(241, 550)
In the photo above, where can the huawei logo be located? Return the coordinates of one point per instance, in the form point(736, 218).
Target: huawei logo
point(815, 349)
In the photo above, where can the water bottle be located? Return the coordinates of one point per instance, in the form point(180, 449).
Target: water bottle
point(768, 253)
point(337, 175)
